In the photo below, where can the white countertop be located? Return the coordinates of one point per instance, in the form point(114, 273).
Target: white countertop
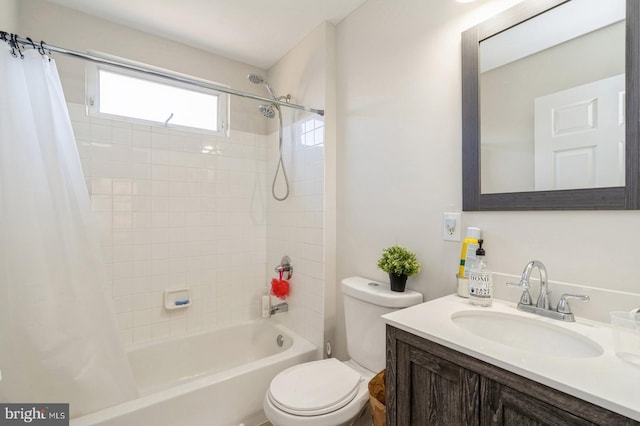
point(605, 380)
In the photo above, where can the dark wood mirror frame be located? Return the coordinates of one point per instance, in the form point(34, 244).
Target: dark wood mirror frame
point(612, 198)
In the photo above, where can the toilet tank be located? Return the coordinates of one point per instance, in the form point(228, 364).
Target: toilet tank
point(364, 302)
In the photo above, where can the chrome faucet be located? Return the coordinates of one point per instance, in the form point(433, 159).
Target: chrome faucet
point(542, 306)
point(543, 297)
point(280, 307)
point(285, 268)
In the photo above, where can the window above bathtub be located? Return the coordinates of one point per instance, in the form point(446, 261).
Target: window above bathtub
point(118, 94)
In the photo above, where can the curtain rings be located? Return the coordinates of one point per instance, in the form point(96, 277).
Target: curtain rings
point(42, 50)
point(15, 46)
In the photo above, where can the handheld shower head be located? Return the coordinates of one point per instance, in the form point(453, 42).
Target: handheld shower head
point(258, 79)
point(267, 111)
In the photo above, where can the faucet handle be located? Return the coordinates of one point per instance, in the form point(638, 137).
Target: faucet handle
point(525, 299)
point(563, 303)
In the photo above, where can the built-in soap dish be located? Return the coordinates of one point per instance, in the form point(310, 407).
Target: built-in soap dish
point(177, 298)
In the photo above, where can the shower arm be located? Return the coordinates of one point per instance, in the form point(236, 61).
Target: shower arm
point(158, 73)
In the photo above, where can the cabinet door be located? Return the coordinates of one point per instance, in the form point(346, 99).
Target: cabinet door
point(503, 405)
point(434, 391)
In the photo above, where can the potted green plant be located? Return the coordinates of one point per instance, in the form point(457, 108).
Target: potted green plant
point(399, 263)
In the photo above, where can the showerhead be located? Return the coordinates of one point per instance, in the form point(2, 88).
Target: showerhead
point(256, 78)
point(267, 111)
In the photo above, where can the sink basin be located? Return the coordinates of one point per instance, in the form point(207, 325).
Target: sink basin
point(527, 334)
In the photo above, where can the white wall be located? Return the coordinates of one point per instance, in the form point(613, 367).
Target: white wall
point(399, 161)
point(9, 16)
point(297, 226)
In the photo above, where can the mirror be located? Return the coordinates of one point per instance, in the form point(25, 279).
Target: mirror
point(545, 113)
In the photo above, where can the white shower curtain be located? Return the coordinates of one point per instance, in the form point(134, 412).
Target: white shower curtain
point(58, 336)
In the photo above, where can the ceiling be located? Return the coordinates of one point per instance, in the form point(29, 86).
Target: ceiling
point(256, 32)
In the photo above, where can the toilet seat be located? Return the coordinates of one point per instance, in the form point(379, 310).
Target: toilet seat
point(314, 388)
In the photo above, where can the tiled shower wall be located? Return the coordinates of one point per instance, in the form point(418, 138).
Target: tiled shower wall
point(177, 209)
point(296, 225)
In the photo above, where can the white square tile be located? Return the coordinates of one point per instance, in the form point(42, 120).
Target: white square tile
point(121, 153)
point(142, 236)
point(141, 138)
point(101, 186)
point(101, 168)
point(101, 203)
point(142, 220)
point(161, 330)
point(122, 203)
point(122, 254)
point(123, 304)
point(142, 252)
point(140, 171)
point(122, 135)
point(122, 220)
point(141, 317)
point(142, 268)
point(159, 187)
point(141, 203)
point(142, 334)
point(122, 237)
point(159, 251)
point(100, 132)
point(82, 130)
point(159, 140)
point(122, 169)
point(159, 172)
point(125, 320)
point(142, 302)
point(141, 187)
point(141, 155)
point(177, 173)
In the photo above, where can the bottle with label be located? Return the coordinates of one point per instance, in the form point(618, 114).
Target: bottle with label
point(266, 303)
point(480, 280)
point(468, 253)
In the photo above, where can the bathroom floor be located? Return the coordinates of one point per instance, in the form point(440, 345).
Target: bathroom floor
point(364, 420)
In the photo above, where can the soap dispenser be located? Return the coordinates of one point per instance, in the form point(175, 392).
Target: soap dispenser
point(480, 279)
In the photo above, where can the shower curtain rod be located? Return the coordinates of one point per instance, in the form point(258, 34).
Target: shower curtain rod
point(26, 42)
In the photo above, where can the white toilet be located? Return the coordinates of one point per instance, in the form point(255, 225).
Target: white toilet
point(330, 392)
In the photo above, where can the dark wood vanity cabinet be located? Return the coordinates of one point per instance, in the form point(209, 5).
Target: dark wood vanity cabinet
point(429, 384)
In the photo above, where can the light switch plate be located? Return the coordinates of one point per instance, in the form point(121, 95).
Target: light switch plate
point(451, 223)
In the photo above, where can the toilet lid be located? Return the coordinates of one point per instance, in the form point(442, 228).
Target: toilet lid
point(314, 388)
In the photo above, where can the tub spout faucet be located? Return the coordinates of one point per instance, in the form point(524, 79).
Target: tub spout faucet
point(280, 307)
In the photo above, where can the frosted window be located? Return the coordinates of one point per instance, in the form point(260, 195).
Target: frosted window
point(137, 98)
point(312, 132)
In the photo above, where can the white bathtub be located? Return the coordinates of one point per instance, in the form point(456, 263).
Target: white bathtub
point(213, 378)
